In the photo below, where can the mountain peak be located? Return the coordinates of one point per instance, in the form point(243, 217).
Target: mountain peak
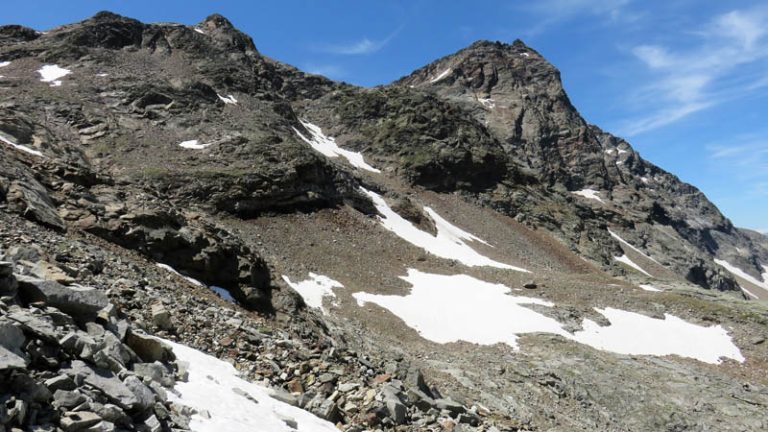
point(217, 21)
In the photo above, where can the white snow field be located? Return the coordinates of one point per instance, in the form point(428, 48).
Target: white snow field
point(52, 74)
point(589, 194)
point(649, 287)
point(328, 147)
point(449, 243)
point(633, 333)
point(4, 63)
point(223, 293)
point(746, 276)
point(229, 99)
point(233, 404)
point(626, 243)
point(625, 259)
point(442, 75)
point(193, 145)
point(315, 289)
point(20, 147)
point(450, 308)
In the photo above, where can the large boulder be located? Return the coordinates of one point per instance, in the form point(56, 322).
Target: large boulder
point(80, 302)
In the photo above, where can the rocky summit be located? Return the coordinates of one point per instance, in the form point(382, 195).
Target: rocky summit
point(195, 236)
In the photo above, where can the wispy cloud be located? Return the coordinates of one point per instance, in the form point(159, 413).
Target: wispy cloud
point(362, 46)
point(694, 79)
point(552, 12)
point(745, 158)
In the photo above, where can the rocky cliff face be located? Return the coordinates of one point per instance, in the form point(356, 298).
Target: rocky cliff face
point(153, 161)
point(518, 96)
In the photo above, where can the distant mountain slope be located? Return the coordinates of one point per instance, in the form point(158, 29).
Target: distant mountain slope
point(518, 96)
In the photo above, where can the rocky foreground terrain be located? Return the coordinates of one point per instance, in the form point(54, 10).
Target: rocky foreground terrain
point(456, 251)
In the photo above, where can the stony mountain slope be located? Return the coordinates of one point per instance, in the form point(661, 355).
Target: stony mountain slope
point(153, 161)
point(517, 95)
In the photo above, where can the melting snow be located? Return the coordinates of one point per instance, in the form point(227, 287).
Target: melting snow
point(451, 308)
point(232, 403)
point(227, 100)
point(20, 147)
point(193, 144)
point(198, 30)
point(625, 259)
point(649, 287)
point(315, 289)
point(621, 151)
point(4, 63)
point(52, 73)
point(525, 54)
point(442, 75)
point(633, 333)
point(744, 275)
point(487, 102)
point(223, 293)
point(449, 243)
point(589, 193)
point(626, 243)
point(447, 309)
point(328, 147)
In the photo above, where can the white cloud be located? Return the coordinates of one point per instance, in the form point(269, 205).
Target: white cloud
point(360, 47)
point(363, 46)
point(746, 159)
point(552, 12)
point(709, 73)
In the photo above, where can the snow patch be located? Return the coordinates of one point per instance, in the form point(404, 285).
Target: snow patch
point(193, 144)
point(449, 243)
point(4, 63)
point(102, 75)
point(328, 147)
point(447, 309)
point(193, 281)
point(589, 194)
point(625, 259)
point(645, 180)
point(199, 30)
point(744, 275)
point(649, 287)
point(223, 293)
point(487, 102)
point(442, 75)
point(621, 151)
point(20, 147)
point(52, 74)
point(315, 289)
point(234, 404)
point(451, 308)
point(633, 333)
point(525, 54)
point(229, 99)
point(626, 243)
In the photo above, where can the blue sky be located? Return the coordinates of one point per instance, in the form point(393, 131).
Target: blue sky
point(684, 81)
